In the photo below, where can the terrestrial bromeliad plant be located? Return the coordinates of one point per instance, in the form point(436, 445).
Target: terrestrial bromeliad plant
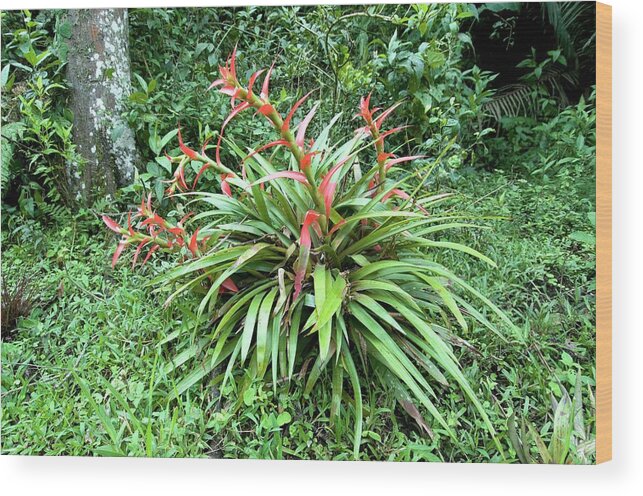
point(313, 260)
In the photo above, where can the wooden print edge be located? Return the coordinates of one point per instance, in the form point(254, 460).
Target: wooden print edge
point(603, 232)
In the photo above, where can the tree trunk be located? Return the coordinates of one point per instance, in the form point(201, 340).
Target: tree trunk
point(98, 73)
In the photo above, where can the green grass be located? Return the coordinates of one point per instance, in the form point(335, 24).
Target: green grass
point(85, 372)
point(100, 328)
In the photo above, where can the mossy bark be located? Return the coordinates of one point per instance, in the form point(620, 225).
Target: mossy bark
point(98, 73)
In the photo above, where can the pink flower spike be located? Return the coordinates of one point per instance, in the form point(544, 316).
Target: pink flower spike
point(265, 147)
point(129, 224)
point(217, 149)
point(309, 219)
point(155, 219)
point(317, 229)
point(391, 131)
point(401, 194)
point(381, 157)
point(299, 279)
point(363, 130)
point(228, 90)
point(201, 171)
point(329, 175)
point(205, 144)
point(305, 161)
point(177, 231)
point(225, 185)
point(235, 111)
point(380, 118)
point(364, 110)
point(329, 193)
point(230, 285)
point(337, 226)
point(396, 192)
point(235, 96)
point(266, 109)
point(185, 217)
point(304, 253)
point(179, 176)
point(232, 63)
point(225, 188)
point(204, 243)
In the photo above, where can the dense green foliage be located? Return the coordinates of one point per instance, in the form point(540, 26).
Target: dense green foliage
point(36, 131)
point(93, 368)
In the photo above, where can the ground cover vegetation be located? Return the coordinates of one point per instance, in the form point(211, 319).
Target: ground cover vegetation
point(348, 238)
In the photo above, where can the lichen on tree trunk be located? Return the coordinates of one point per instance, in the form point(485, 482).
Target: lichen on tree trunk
point(98, 73)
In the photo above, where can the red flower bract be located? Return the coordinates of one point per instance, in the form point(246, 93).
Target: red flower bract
point(112, 224)
point(297, 176)
point(229, 285)
point(252, 79)
point(138, 251)
point(225, 185)
point(286, 125)
point(193, 243)
point(301, 132)
point(310, 219)
point(188, 151)
point(266, 83)
point(117, 253)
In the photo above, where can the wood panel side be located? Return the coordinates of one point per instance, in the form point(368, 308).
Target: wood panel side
point(603, 233)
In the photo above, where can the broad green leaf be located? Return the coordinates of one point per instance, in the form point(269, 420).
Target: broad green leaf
point(386, 341)
point(317, 368)
point(249, 325)
point(336, 395)
point(321, 282)
point(262, 328)
point(293, 337)
point(349, 364)
point(460, 247)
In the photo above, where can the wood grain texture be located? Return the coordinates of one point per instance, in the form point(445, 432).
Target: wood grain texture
point(603, 233)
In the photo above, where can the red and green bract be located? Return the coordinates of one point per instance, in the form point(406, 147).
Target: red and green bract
point(154, 233)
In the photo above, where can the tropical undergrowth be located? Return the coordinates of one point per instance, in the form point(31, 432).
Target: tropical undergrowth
point(94, 364)
point(314, 259)
point(544, 279)
point(122, 360)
